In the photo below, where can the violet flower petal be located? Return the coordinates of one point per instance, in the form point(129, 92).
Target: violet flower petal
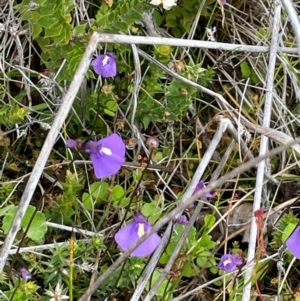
point(71, 143)
point(91, 147)
point(24, 273)
point(237, 259)
point(127, 236)
point(182, 220)
point(292, 243)
point(201, 186)
point(105, 65)
point(227, 262)
point(109, 157)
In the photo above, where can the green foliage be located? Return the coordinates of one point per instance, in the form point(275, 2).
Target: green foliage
point(121, 16)
point(37, 226)
point(50, 26)
point(66, 203)
point(53, 18)
point(283, 230)
point(100, 193)
point(57, 268)
point(12, 115)
point(180, 18)
point(263, 34)
point(153, 210)
point(169, 102)
point(5, 191)
point(247, 71)
point(162, 290)
point(193, 249)
point(25, 291)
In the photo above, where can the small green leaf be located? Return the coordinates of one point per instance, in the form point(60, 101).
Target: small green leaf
point(209, 220)
point(261, 34)
point(32, 16)
point(117, 193)
point(4, 210)
point(287, 232)
point(146, 121)
point(37, 228)
point(53, 32)
point(64, 36)
point(112, 105)
point(188, 270)
point(43, 43)
point(79, 29)
point(47, 21)
point(172, 23)
point(121, 203)
point(161, 291)
point(87, 201)
point(49, 9)
point(206, 241)
point(152, 211)
point(41, 2)
point(148, 209)
point(245, 69)
point(37, 29)
point(158, 18)
point(99, 190)
point(202, 260)
point(255, 78)
point(109, 113)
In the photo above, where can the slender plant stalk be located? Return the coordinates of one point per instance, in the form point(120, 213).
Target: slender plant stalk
point(71, 267)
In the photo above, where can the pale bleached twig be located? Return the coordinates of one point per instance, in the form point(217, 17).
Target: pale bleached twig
point(288, 4)
point(263, 150)
point(273, 134)
point(124, 39)
point(71, 229)
point(35, 249)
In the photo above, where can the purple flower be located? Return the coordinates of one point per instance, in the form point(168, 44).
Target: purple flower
point(182, 220)
point(201, 186)
point(107, 155)
point(229, 262)
point(24, 274)
point(71, 143)
point(105, 64)
point(127, 236)
point(292, 243)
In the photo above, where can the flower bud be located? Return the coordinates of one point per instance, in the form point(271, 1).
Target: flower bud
point(24, 274)
point(182, 220)
point(152, 142)
point(71, 143)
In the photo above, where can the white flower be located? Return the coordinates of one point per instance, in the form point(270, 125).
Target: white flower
point(155, 2)
point(167, 4)
point(56, 295)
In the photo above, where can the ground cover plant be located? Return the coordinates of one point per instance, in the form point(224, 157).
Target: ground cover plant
point(149, 150)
